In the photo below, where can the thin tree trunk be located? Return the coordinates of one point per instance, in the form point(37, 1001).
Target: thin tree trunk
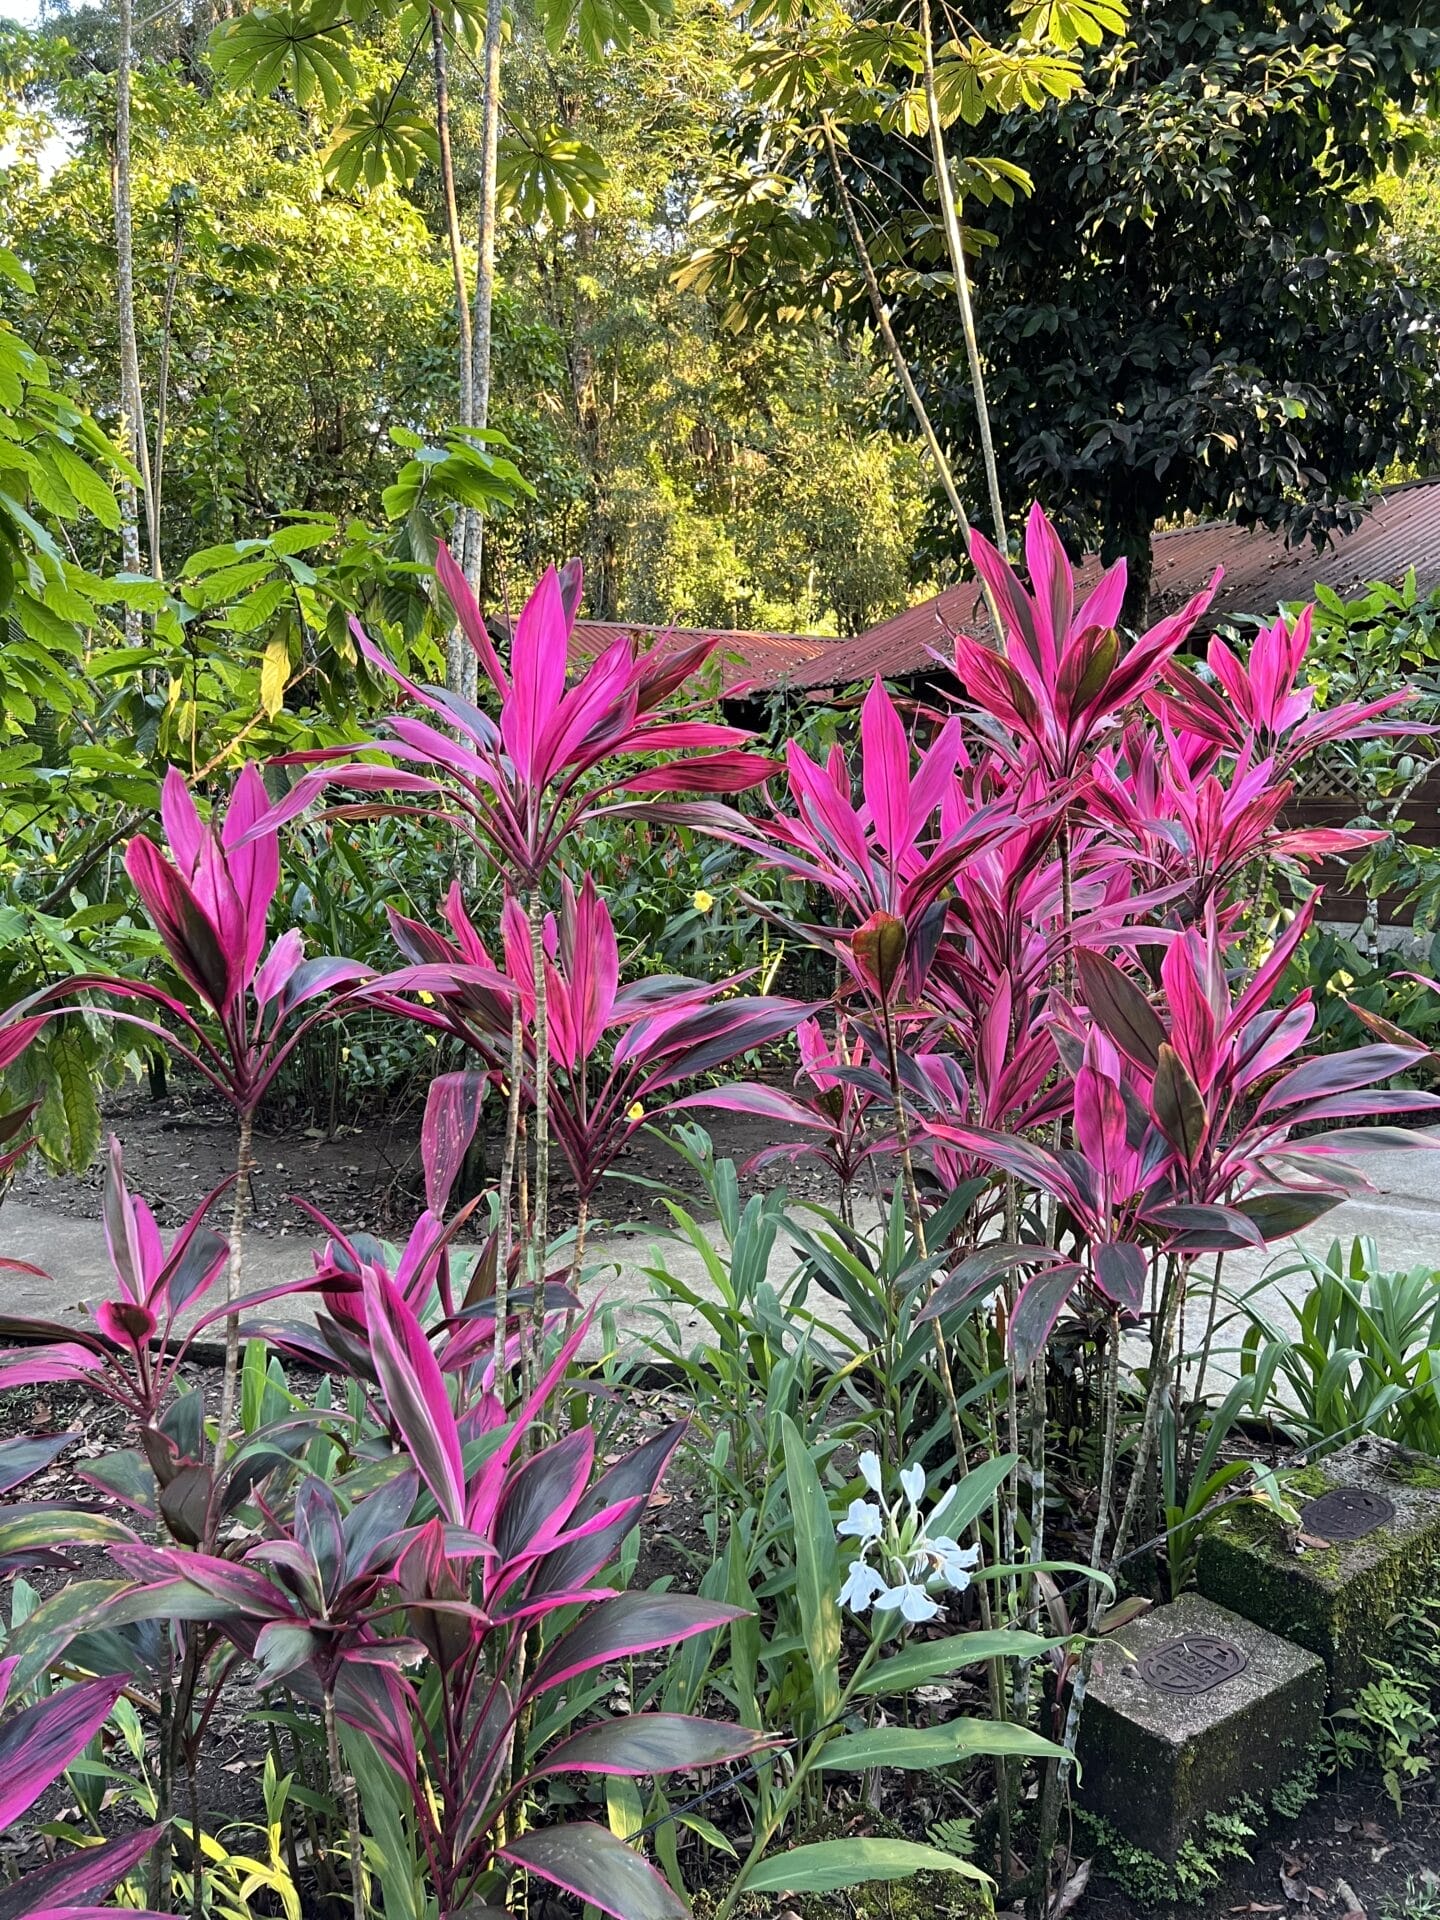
point(482, 330)
point(439, 67)
point(954, 241)
point(130, 396)
point(157, 462)
point(897, 358)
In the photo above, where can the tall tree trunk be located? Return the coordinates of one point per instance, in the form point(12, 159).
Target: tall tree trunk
point(1129, 524)
point(955, 243)
point(131, 403)
point(472, 544)
point(897, 358)
point(157, 460)
point(460, 669)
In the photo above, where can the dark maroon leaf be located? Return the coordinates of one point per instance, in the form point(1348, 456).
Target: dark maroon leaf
point(589, 1863)
point(1120, 1273)
point(1037, 1308)
point(1120, 1008)
point(651, 1743)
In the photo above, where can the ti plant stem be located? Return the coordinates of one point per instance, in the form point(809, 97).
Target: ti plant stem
point(540, 1213)
point(343, 1783)
point(239, 1213)
point(505, 1230)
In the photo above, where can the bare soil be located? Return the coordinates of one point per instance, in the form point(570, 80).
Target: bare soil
point(182, 1147)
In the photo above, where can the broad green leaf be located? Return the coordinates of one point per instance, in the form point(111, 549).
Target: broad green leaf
point(835, 1866)
point(817, 1579)
point(921, 1748)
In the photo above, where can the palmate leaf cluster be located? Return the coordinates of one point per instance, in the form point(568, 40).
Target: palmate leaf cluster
point(311, 51)
point(774, 249)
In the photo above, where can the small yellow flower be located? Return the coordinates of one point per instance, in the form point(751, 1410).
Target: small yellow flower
point(636, 1111)
point(703, 901)
point(426, 999)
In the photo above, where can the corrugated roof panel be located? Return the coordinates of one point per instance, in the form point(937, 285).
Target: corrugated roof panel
point(1260, 570)
point(766, 657)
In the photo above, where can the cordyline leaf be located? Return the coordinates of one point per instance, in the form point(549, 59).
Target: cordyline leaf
point(1120, 1273)
point(879, 950)
point(1037, 1308)
point(415, 1393)
point(646, 1743)
point(630, 1623)
point(590, 1863)
point(1120, 1008)
point(632, 1479)
point(77, 1878)
point(1276, 1215)
point(38, 1743)
point(979, 1272)
point(26, 1455)
point(1179, 1105)
point(452, 1113)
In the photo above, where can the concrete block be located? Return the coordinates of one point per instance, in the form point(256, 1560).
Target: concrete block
point(1193, 1711)
point(1336, 1586)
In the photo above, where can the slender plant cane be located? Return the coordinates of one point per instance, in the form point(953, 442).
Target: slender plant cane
point(897, 359)
point(343, 1782)
point(954, 240)
point(505, 1229)
point(540, 1210)
point(1198, 1391)
point(1160, 1358)
point(1057, 1771)
point(234, 1267)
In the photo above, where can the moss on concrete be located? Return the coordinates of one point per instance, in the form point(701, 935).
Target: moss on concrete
point(1336, 1600)
point(1199, 1865)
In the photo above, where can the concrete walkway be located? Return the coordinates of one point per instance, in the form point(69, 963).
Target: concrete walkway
point(1403, 1217)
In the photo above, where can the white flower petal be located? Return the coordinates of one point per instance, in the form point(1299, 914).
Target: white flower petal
point(913, 1602)
point(869, 1464)
point(862, 1583)
point(863, 1522)
point(912, 1479)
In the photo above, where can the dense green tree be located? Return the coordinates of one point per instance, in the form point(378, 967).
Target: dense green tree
point(1193, 312)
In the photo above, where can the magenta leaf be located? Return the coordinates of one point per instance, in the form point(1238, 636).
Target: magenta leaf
point(76, 1877)
point(452, 1113)
point(590, 1863)
point(415, 1393)
point(1120, 1008)
point(39, 1742)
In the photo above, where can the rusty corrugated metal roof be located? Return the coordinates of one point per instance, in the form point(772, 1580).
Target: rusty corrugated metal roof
point(1260, 571)
point(745, 656)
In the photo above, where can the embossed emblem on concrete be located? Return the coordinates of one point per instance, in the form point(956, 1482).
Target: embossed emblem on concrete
point(1347, 1513)
point(1193, 1664)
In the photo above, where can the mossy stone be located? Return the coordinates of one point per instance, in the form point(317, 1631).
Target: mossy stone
point(1156, 1765)
point(1340, 1599)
